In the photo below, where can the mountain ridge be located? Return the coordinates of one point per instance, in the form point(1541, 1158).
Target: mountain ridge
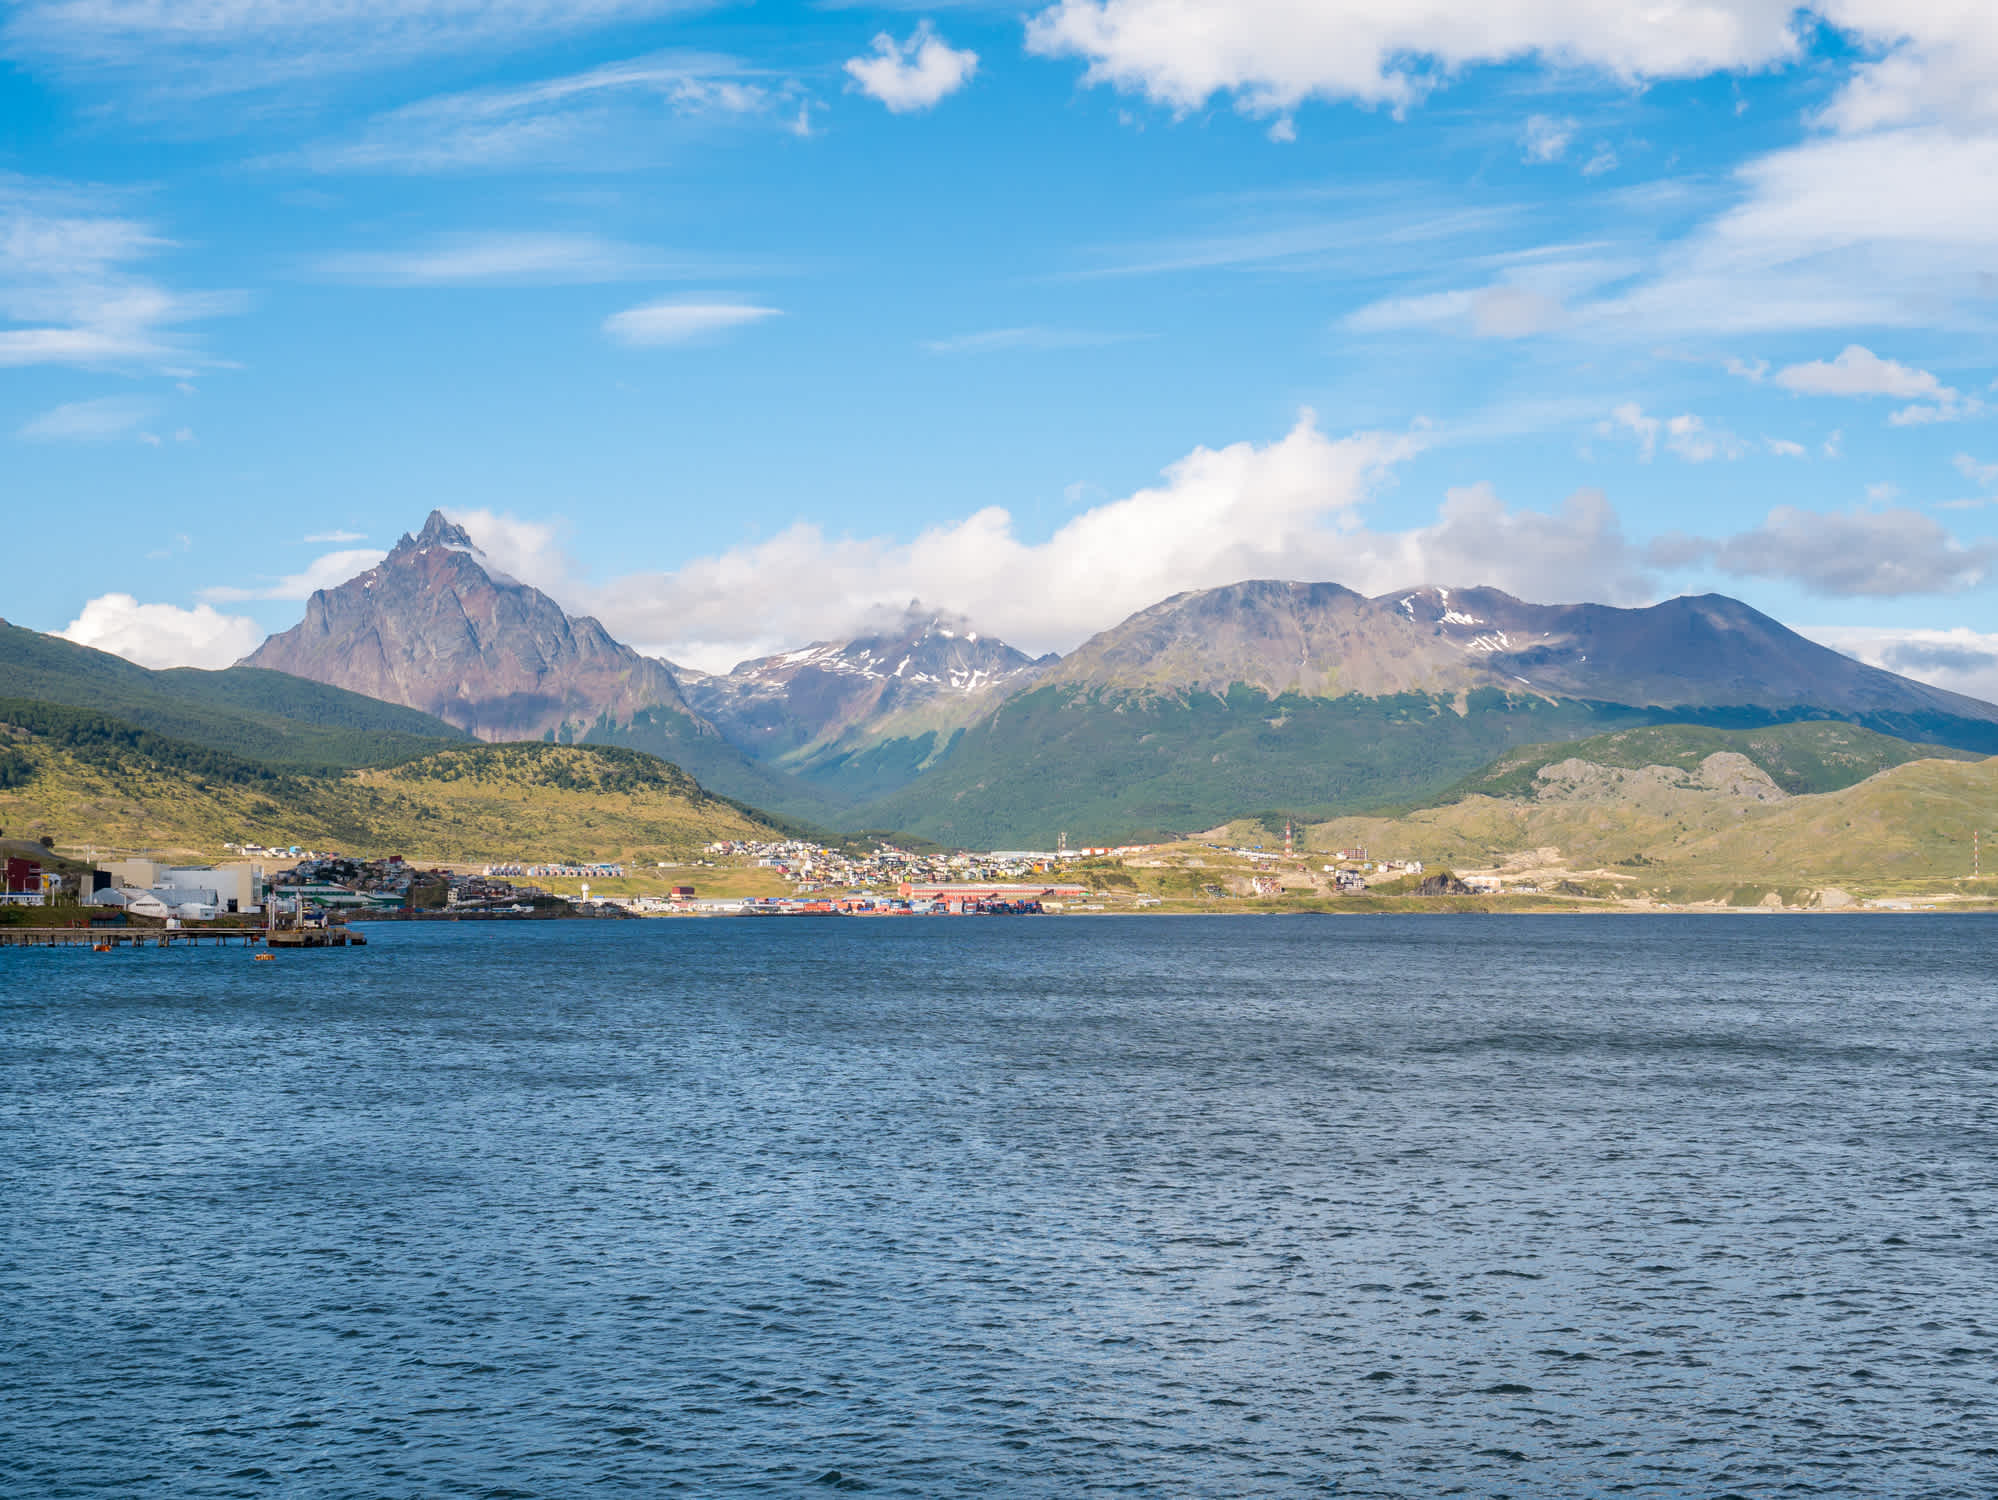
point(1210, 704)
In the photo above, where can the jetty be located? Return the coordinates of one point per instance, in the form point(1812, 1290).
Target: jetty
point(107, 938)
point(286, 931)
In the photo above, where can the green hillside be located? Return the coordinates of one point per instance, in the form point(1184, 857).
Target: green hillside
point(1109, 766)
point(245, 711)
point(680, 738)
point(85, 780)
point(1800, 758)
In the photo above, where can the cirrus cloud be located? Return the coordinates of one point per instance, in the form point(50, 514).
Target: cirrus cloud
point(681, 322)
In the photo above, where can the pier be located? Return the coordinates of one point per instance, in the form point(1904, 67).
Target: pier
point(126, 937)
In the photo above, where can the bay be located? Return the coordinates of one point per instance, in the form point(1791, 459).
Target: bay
point(1240, 1206)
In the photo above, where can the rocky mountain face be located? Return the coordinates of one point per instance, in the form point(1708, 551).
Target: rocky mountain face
point(932, 673)
point(1320, 640)
point(436, 627)
point(1213, 704)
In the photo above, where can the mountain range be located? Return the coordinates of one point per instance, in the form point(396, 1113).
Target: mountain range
point(1264, 696)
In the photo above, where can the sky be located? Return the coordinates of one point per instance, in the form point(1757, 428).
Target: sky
point(737, 325)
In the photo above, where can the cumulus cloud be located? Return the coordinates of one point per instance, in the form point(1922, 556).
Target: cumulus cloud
point(680, 322)
point(1273, 54)
point(912, 75)
point(1293, 508)
point(326, 572)
point(1975, 472)
point(1546, 137)
point(1686, 435)
point(98, 421)
point(1960, 660)
point(1864, 553)
point(162, 635)
point(1858, 371)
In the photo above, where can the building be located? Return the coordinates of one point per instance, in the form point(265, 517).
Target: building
point(173, 901)
point(236, 887)
point(22, 883)
point(960, 891)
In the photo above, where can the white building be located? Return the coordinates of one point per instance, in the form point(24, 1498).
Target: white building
point(172, 901)
point(235, 887)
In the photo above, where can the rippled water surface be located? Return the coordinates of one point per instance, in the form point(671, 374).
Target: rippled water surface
point(1170, 1207)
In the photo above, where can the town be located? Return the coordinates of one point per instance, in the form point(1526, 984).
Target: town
point(729, 878)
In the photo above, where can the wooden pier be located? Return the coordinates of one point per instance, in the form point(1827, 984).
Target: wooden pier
point(127, 937)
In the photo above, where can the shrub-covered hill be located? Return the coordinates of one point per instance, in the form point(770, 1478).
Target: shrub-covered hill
point(1801, 758)
point(468, 804)
point(244, 711)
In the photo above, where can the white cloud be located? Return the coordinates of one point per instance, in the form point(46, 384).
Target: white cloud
point(619, 113)
point(326, 572)
point(68, 290)
point(1979, 474)
point(1886, 230)
point(536, 258)
point(163, 635)
point(98, 421)
point(1293, 508)
point(335, 537)
point(1944, 411)
point(1501, 311)
point(234, 46)
point(1858, 371)
point(530, 551)
point(1870, 553)
point(1784, 448)
point(1275, 54)
point(1602, 159)
point(1959, 660)
point(1546, 137)
point(1686, 435)
point(912, 75)
point(673, 322)
point(1288, 509)
point(1008, 340)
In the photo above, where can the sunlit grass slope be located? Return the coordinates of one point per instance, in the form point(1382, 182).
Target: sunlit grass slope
point(472, 804)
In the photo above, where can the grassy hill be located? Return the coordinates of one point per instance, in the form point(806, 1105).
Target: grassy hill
point(1740, 840)
point(92, 783)
point(242, 711)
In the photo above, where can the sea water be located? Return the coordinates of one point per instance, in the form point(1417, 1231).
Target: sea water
point(1180, 1207)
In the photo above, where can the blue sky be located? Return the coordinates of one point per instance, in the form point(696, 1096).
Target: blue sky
point(734, 323)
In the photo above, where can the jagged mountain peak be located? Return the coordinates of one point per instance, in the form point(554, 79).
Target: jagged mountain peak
point(908, 672)
point(436, 626)
point(438, 531)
